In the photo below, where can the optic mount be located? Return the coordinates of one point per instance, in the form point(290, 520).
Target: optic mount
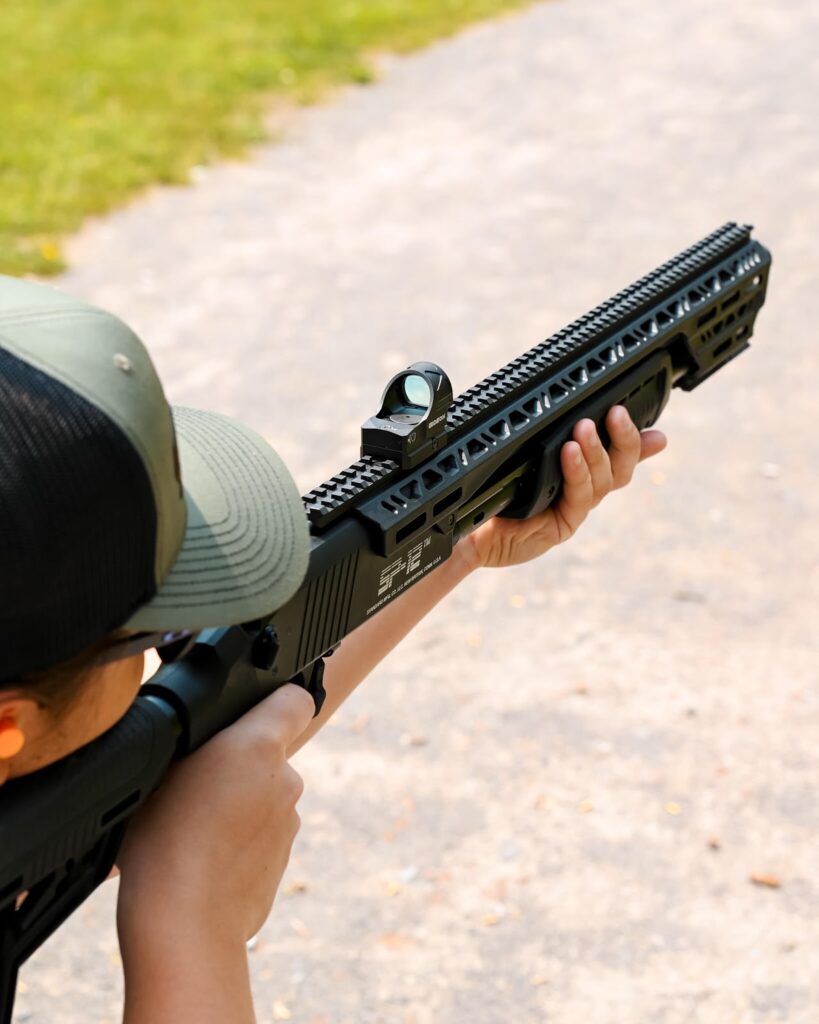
point(410, 425)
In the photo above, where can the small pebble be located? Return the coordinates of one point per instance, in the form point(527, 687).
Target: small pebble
point(299, 927)
point(767, 881)
point(510, 850)
point(408, 739)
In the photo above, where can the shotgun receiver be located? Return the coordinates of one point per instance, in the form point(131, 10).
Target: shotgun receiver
point(431, 469)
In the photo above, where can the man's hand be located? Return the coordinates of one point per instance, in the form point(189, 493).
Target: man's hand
point(201, 864)
point(589, 473)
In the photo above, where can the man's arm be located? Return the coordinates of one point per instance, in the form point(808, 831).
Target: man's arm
point(200, 867)
point(589, 473)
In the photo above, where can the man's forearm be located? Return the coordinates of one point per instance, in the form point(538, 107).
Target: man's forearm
point(364, 648)
point(176, 973)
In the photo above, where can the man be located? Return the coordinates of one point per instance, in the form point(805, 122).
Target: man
point(122, 522)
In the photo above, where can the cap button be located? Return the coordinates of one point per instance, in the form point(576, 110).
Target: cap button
point(123, 363)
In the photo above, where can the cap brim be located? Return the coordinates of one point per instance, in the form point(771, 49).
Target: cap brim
point(246, 544)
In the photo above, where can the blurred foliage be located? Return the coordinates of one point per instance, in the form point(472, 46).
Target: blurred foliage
point(99, 98)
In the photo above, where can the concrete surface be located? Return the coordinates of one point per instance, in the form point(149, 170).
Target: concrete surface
point(547, 805)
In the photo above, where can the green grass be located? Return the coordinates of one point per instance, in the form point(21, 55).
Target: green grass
point(100, 98)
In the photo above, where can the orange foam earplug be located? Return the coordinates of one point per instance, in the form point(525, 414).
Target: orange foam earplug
point(12, 739)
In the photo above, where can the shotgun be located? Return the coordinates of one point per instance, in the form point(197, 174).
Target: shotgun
point(432, 468)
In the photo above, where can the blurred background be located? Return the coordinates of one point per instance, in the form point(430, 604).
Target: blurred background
point(584, 790)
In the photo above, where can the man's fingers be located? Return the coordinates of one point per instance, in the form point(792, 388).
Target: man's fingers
point(624, 451)
point(596, 456)
point(577, 478)
point(599, 471)
point(651, 442)
point(283, 716)
point(578, 490)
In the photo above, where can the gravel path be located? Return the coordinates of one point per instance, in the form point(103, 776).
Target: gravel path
point(545, 807)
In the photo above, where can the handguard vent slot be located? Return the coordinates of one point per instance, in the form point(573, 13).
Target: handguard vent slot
point(410, 528)
point(411, 490)
point(447, 502)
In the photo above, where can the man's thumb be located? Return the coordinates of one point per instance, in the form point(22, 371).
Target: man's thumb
point(286, 712)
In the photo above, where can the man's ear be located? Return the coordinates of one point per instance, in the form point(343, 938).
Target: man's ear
point(21, 719)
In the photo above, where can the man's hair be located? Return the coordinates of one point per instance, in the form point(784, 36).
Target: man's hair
point(56, 689)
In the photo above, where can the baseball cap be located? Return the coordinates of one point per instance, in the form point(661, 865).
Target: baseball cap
point(116, 510)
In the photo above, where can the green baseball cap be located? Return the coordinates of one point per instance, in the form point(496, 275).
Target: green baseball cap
point(115, 509)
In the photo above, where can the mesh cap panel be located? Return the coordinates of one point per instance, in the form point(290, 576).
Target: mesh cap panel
point(77, 522)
